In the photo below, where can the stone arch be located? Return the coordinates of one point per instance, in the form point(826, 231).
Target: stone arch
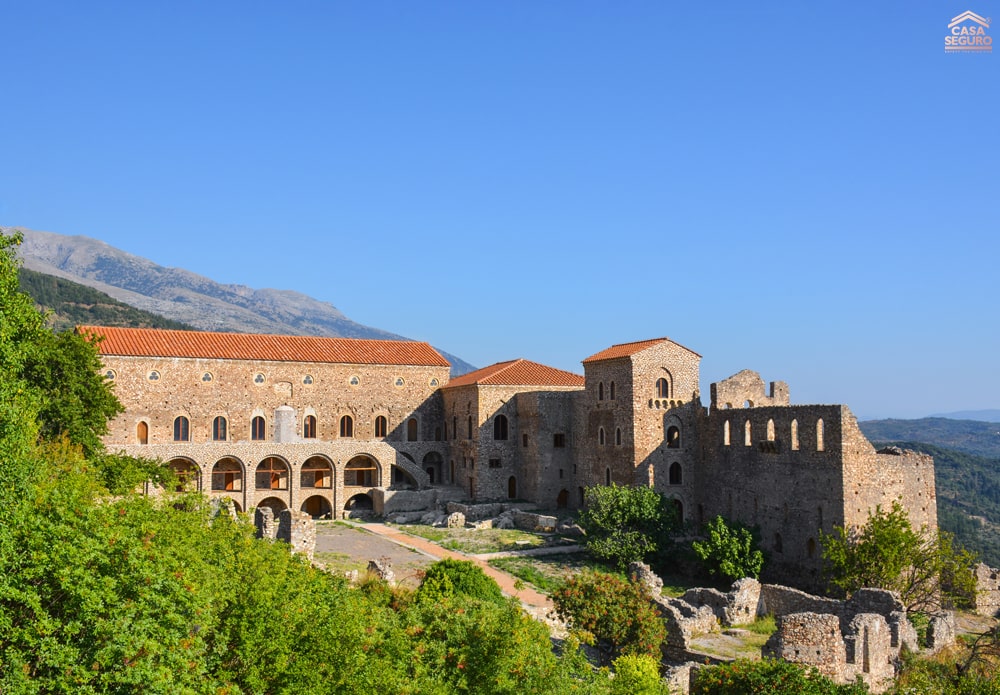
point(673, 437)
point(562, 499)
point(600, 436)
point(275, 504)
point(227, 474)
point(417, 475)
point(770, 430)
point(662, 386)
point(512, 488)
point(317, 472)
point(318, 507)
point(675, 475)
point(272, 474)
point(401, 476)
point(362, 471)
point(360, 504)
point(188, 474)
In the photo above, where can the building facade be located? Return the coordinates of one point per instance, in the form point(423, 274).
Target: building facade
point(325, 424)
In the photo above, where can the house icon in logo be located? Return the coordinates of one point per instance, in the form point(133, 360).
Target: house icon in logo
point(968, 33)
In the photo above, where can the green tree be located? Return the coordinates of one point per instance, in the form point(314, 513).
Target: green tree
point(616, 612)
point(729, 550)
point(887, 553)
point(449, 577)
point(626, 524)
point(767, 677)
point(637, 674)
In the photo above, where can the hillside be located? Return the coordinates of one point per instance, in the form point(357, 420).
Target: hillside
point(70, 304)
point(970, 436)
point(189, 298)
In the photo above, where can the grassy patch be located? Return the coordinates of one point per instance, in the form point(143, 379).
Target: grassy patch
point(476, 541)
point(340, 562)
point(763, 625)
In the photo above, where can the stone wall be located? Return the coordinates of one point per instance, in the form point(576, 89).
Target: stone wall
point(987, 590)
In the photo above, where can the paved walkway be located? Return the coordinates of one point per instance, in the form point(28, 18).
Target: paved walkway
point(538, 604)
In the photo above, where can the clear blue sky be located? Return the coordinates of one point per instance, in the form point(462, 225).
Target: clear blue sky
point(805, 189)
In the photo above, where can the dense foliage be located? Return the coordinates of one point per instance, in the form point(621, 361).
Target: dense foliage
point(730, 550)
point(767, 677)
point(447, 578)
point(617, 613)
point(626, 524)
point(888, 553)
point(71, 304)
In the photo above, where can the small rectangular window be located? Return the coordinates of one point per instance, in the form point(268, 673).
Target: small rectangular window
point(494, 463)
point(559, 440)
point(524, 440)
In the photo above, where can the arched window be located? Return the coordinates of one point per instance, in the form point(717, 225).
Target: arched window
point(611, 390)
point(675, 473)
point(607, 476)
point(454, 427)
point(674, 437)
point(316, 472)
point(618, 436)
point(470, 428)
point(662, 388)
point(182, 429)
point(600, 436)
point(725, 433)
point(600, 391)
point(272, 474)
point(346, 427)
point(257, 430)
point(500, 427)
point(411, 429)
point(511, 488)
point(747, 439)
point(381, 426)
point(795, 435)
point(360, 472)
point(819, 435)
point(309, 427)
point(220, 429)
point(142, 432)
point(770, 430)
point(227, 474)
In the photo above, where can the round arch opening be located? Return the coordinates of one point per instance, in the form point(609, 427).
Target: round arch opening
point(359, 505)
point(274, 504)
point(317, 472)
point(188, 475)
point(227, 475)
point(318, 507)
point(361, 471)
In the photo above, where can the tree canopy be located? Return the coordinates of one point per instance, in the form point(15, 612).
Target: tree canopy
point(626, 524)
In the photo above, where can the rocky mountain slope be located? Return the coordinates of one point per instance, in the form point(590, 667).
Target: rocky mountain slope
point(190, 298)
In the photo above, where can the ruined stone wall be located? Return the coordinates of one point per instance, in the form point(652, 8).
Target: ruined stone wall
point(812, 639)
point(987, 590)
point(746, 389)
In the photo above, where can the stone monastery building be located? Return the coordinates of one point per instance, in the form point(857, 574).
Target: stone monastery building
point(331, 425)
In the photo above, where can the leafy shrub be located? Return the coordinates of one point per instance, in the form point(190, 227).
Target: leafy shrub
point(626, 524)
point(729, 550)
point(447, 578)
point(767, 677)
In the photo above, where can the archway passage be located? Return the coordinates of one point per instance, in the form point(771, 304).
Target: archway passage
point(361, 471)
point(272, 474)
point(360, 505)
point(274, 504)
point(227, 474)
point(316, 473)
point(679, 508)
point(401, 478)
point(188, 475)
point(562, 501)
point(318, 507)
point(433, 465)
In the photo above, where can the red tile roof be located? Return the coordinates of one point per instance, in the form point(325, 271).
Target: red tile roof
point(518, 373)
point(148, 342)
point(629, 349)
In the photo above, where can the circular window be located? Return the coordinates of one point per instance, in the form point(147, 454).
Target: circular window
point(206, 377)
point(307, 379)
point(434, 382)
point(399, 381)
point(259, 379)
point(110, 375)
point(154, 376)
point(354, 381)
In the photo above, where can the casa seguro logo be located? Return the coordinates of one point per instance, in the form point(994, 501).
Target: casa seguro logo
point(968, 33)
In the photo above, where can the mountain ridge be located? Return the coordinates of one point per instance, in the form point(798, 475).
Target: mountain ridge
point(185, 296)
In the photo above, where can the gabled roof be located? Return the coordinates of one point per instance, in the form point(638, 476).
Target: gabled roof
point(518, 373)
point(628, 349)
point(149, 342)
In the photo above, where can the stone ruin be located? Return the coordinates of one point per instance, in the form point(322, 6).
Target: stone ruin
point(298, 529)
point(862, 636)
point(987, 590)
point(499, 515)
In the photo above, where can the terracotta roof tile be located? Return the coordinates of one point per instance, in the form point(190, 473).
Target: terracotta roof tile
point(629, 349)
point(518, 373)
point(148, 342)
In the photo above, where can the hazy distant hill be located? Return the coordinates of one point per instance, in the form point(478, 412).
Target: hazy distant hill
point(70, 304)
point(971, 436)
point(981, 415)
point(193, 299)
